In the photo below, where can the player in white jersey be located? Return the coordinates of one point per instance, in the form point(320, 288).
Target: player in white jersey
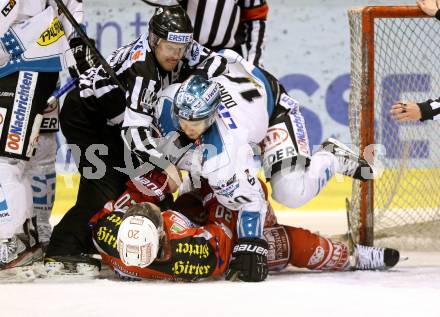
point(228, 117)
point(33, 49)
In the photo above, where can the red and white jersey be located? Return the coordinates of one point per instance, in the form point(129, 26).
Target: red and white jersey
point(190, 252)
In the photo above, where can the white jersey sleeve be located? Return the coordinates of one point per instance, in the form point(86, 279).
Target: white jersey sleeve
point(34, 37)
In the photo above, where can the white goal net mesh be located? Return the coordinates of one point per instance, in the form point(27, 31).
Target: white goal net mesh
point(406, 197)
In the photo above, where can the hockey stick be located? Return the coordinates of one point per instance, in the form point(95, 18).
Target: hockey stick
point(87, 41)
point(348, 209)
point(62, 90)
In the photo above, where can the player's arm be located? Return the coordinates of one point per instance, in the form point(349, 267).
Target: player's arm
point(430, 7)
point(99, 91)
point(253, 17)
point(205, 62)
point(9, 14)
point(240, 190)
point(139, 127)
point(411, 111)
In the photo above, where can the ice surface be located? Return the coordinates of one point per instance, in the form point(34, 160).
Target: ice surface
point(412, 288)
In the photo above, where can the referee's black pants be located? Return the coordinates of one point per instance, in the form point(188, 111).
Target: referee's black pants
point(84, 128)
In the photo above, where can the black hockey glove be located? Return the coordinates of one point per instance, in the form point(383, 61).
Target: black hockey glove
point(249, 261)
point(84, 57)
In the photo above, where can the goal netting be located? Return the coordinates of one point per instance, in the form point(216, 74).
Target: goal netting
point(395, 56)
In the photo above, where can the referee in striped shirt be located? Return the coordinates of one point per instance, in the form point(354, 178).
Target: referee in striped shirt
point(235, 24)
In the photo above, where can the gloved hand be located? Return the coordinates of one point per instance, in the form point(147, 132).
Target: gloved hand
point(152, 186)
point(84, 57)
point(249, 261)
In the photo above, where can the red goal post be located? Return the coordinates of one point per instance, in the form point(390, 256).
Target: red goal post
point(395, 55)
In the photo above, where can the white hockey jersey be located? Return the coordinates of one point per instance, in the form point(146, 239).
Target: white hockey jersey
point(34, 37)
point(224, 155)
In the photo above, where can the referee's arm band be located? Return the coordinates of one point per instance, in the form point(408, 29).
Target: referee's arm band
point(255, 13)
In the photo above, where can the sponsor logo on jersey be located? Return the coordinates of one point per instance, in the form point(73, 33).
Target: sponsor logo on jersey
point(194, 257)
point(226, 187)
point(188, 268)
point(278, 155)
point(136, 55)
point(6, 94)
point(288, 102)
point(279, 249)
point(117, 220)
point(195, 51)
point(52, 33)
point(274, 137)
point(300, 132)
point(147, 187)
point(277, 146)
point(122, 270)
point(8, 7)
point(179, 37)
point(107, 236)
point(21, 112)
point(43, 187)
point(208, 96)
point(339, 257)
point(49, 124)
point(200, 250)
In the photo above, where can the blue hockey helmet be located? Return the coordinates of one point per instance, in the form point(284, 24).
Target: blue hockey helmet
point(197, 99)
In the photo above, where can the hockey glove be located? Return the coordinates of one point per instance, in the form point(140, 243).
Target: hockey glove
point(249, 261)
point(84, 57)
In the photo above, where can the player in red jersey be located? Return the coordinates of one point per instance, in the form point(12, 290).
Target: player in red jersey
point(138, 241)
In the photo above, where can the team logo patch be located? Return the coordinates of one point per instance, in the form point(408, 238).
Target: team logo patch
point(317, 256)
point(8, 7)
point(176, 228)
point(226, 188)
point(181, 221)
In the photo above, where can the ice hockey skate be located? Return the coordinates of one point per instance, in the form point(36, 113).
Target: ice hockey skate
point(374, 258)
point(72, 265)
point(14, 253)
point(350, 164)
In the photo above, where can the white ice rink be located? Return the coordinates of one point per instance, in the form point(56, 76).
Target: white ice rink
point(412, 288)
